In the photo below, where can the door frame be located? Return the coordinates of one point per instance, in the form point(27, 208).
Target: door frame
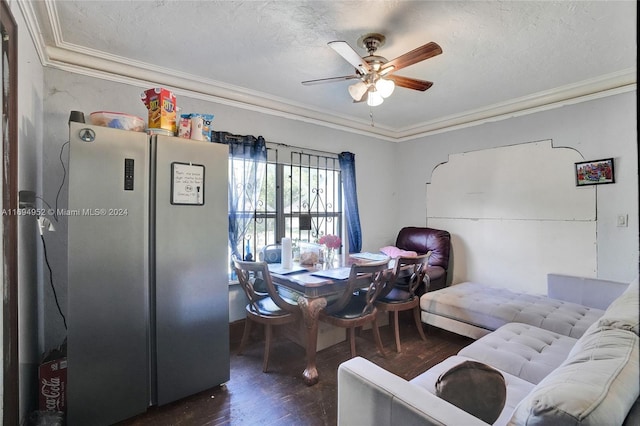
point(9, 38)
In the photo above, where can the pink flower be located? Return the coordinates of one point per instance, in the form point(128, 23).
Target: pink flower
point(331, 241)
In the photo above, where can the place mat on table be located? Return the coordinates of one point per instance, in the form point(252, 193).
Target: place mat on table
point(335, 273)
point(375, 257)
point(277, 268)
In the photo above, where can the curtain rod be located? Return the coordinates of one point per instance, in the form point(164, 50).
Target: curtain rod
point(239, 138)
point(302, 149)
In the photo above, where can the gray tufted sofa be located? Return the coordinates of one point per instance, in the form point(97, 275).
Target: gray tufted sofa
point(552, 378)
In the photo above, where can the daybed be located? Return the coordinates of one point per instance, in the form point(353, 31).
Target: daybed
point(551, 378)
point(471, 309)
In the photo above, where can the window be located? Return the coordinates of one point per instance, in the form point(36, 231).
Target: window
point(299, 198)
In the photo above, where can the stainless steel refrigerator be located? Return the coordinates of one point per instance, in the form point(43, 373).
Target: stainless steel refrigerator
point(148, 301)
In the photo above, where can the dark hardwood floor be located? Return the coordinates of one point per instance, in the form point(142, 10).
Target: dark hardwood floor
point(280, 397)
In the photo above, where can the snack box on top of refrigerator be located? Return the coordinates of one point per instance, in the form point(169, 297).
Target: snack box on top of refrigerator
point(186, 124)
point(161, 104)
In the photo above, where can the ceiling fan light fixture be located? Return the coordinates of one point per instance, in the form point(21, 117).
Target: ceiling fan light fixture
point(385, 87)
point(373, 71)
point(358, 90)
point(374, 98)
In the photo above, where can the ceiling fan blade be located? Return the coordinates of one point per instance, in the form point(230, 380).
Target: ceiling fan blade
point(330, 80)
point(410, 83)
point(343, 49)
point(427, 51)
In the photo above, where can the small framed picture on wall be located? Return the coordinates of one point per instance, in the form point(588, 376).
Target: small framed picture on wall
point(595, 172)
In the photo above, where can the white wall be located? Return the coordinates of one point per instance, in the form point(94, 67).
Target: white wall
point(599, 128)
point(66, 92)
point(30, 94)
point(515, 215)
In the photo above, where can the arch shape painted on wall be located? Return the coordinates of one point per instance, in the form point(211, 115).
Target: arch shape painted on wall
point(515, 215)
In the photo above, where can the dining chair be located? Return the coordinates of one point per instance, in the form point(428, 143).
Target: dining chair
point(266, 306)
point(394, 298)
point(355, 308)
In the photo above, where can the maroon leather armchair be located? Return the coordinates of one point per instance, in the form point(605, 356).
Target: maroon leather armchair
point(423, 240)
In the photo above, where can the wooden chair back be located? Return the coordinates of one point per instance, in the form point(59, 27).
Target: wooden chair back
point(372, 276)
point(416, 266)
point(248, 273)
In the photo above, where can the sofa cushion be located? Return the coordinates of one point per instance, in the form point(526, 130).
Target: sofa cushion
point(474, 387)
point(623, 312)
point(523, 350)
point(491, 307)
point(517, 388)
point(596, 385)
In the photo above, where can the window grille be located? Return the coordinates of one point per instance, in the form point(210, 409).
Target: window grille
point(312, 188)
point(300, 198)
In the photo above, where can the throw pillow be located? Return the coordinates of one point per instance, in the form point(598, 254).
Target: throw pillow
point(476, 388)
point(394, 252)
point(623, 312)
point(596, 385)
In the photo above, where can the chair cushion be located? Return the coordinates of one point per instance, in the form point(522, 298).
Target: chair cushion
point(266, 306)
point(474, 387)
point(523, 350)
point(596, 385)
point(353, 309)
point(397, 295)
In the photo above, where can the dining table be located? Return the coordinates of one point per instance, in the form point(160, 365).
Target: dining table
point(315, 285)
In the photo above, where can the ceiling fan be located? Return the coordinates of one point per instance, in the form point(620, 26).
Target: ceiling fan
point(376, 74)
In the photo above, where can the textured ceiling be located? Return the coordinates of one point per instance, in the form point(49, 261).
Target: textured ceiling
point(498, 57)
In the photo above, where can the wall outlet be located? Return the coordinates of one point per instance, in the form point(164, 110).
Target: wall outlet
point(26, 199)
point(45, 224)
point(622, 220)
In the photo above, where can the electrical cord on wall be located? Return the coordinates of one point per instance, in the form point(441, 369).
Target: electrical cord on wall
point(64, 176)
point(55, 295)
point(45, 202)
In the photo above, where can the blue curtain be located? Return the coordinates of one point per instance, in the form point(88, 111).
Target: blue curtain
point(246, 172)
point(348, 170)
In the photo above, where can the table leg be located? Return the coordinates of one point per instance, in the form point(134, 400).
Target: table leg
point(310, 309)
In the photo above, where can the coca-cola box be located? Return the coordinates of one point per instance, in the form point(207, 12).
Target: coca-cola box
point(53, 385)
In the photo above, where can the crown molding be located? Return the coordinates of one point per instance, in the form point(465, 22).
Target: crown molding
point(99, 65)
point(35, 31)
point(600, 87)
point(93, 63)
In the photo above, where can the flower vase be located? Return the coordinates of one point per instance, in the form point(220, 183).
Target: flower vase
point(329, 256)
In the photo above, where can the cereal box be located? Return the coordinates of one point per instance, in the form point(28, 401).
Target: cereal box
point(186, 122)
point(161, 104)
point(184, 129)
